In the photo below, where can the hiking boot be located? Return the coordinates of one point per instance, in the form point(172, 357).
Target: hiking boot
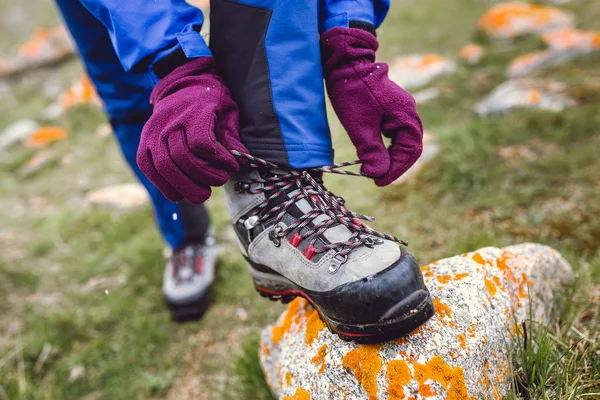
point(188, 279)
point(300, 240)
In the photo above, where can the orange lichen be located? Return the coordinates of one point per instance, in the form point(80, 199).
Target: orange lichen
point(443, 279)
point(489, 285)
point(498, 283)
point(300, 394)
point(82, 92)
point(458, 277)
point(462, 339)
point(398, 375)
point(421, 61)
point(291, 316)
point(288, 378)
point(443, 311)
point(319, 359)
point(425, 391)
point(264, 349)
point(451, 378)
point(471, 51)
point(514, 18)
point(314, 325)
point(570, 38)
point(425, 268)
point(45, 135)
point(478, 259)
point(534, 96)
point(365, 362)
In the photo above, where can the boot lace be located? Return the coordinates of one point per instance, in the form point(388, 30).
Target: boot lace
point(285, 180)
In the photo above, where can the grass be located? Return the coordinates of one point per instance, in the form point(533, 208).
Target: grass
point(59, 256)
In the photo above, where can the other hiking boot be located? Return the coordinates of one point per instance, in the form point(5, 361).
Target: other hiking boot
point(301, 240)
point(188, 278)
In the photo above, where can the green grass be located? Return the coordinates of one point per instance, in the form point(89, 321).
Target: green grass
point(59, 256)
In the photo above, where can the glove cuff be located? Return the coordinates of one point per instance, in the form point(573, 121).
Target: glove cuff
point(176, 79)
point(347, 46)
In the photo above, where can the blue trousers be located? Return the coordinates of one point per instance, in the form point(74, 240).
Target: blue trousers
point(126, 98)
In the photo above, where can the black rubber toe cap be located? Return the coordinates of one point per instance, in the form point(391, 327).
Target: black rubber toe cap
point(378, 297)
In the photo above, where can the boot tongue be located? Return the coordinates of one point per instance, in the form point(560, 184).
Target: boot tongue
point(335, 234)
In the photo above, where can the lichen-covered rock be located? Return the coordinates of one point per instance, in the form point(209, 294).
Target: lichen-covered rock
point(513, 19)
point(19, 130)
point(563, 45)
point(472, 53)
point(419, 69)
point(121, 197)
point(82, 92)
point(481, 299)
point(45, 46)
point(44, 136)
point(525, 93)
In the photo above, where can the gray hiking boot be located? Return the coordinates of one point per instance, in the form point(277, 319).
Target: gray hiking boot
point(188, 278)
point(300, 240)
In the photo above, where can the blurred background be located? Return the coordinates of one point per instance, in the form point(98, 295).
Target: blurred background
point(510, 100)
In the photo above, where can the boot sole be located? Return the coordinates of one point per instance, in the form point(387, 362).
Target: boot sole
point(189, 311)
point(412, 311)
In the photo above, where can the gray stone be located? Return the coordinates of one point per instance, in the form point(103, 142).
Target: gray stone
point(525, 93)
point(416, 70)
point(513, 19)
point(120, 197)
point(17, 131)
point(426, 95)
point(481, 298)
point(563, 45)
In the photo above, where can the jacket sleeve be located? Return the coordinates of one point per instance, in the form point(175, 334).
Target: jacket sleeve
point(343, 13)
point(144, 32)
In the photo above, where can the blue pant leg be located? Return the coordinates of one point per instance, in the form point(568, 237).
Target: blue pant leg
point(268, 52)
point(126, 101)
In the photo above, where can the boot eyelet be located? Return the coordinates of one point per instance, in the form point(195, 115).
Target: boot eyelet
point(337, 262)
point(274, 236)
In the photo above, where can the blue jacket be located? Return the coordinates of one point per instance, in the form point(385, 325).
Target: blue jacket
point(266, 50)
point(144, 31)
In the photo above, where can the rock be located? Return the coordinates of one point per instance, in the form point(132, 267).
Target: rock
point(569, 39)
point(472, 53)
point(7, 67)
point(103, 283)
point(430, 150)
point(481, 299)
point(45, 136)
point(525, 93)
point(104, 130)
point(513, 19)
point(76, 372)
point(125, 196)
point(517, 153)
point(40, 160)
point(45, 46)
point(563, 45)
point(419, 69)
point(425, 95)
point(82, 92)
point(17, 131)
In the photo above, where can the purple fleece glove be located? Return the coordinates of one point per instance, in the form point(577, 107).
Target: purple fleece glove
point(368, 104)
point(184, 148)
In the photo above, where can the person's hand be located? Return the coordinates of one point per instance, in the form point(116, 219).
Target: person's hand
point(368, 104)
point(184, 148)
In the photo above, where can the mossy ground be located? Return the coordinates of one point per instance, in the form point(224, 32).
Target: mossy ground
point(59, 256)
